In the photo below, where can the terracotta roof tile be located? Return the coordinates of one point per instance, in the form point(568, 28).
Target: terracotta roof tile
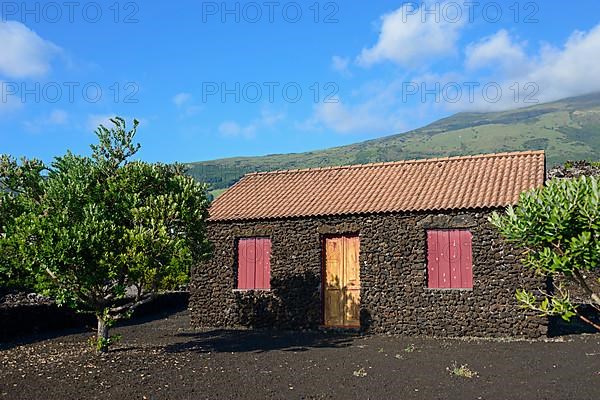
point(489, 180)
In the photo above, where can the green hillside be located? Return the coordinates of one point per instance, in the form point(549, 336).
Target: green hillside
point(568, 130)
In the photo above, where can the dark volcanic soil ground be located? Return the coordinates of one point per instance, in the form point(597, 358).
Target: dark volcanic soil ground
point(164, 359)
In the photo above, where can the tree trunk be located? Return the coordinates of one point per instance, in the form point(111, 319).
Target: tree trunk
point(102, 336)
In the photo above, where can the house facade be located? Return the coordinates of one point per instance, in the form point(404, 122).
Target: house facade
point(401, 248)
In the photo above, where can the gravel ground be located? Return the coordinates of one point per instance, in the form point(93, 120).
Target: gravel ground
point(163, 358)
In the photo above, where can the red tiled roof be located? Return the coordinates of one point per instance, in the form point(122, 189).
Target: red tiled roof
point(483, 181)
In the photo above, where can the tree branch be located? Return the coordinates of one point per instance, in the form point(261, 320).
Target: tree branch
point(581, 280)
point(587, 320)
point(117, 313)
point(78, 293)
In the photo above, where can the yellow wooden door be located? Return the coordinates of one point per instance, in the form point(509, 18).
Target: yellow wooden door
point(351, 282)
point(342, 282)
point(334, 263)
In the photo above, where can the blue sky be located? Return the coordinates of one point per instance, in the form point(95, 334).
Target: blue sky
point(212, 79)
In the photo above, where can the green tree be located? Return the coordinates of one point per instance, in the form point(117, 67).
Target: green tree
point(103, 233)
point(15, 181)
point(558, 226)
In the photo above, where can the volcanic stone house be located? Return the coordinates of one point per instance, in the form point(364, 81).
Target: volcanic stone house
point(402, 247)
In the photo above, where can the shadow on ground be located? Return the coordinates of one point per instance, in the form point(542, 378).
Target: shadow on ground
point(558, 327)
point(35, 323)
point(242, 341)
point(161, 307)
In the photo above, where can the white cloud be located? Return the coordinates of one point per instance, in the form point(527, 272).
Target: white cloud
point(571, 70)
point(524, 74)
point(267, 120)
point(233, 129)
point(409, 37)
point(24, 54)
point(341, 65)
point(230, 128)
point(95, 120)
point(377, 115)
point(342, 119)
point(374, 108)
point(497, 51)
point(181, 98)
point(56, 117)
point(183, 101)
point(551, 74)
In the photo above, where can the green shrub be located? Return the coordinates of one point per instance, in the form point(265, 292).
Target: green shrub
point(558, 226)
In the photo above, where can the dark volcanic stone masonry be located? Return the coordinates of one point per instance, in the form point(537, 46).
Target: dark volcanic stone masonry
point(394, 294)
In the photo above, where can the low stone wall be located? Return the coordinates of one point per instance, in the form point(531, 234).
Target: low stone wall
point(394, 294)
point(574, 169)
point(31, 319)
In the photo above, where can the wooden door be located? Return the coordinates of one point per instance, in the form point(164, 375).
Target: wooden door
point(333, 296)
point(342, 282)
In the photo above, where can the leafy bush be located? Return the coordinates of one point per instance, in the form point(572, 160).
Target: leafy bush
point(15, 181)
point(102, 233)
point(558, 226)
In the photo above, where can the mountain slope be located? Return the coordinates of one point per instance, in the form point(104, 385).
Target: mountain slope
point(568, 129)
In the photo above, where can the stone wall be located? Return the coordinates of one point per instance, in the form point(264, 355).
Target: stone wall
point(394, 294)
point(20, 321)
point(574, 169)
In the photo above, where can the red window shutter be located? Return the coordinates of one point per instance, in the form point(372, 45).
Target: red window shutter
point(455, 261)
point(254, 269)
point(242, 264)
point(263, 255)
point(449, 260)
point(466, 259)
point(444, 260)
point(259, 277)
point(251, 264)
point(246, 263)
point(432, 260)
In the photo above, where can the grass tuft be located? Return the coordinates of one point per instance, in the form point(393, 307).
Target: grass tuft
point(463, 371)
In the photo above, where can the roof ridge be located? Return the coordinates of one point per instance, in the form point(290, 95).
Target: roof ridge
point(400, 162)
